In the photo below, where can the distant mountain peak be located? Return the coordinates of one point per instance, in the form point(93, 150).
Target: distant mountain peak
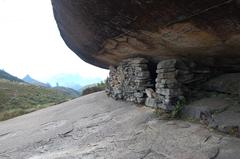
point(27, 77)
point(72, 80)
point(32, 81)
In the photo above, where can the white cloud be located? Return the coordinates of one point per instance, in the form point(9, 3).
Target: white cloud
point(31, 44)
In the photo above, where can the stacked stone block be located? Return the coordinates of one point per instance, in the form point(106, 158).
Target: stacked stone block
point(129, 80)
point(168, 88)
point(151, 100)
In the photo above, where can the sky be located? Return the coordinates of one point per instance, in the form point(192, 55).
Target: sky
point(30, 43)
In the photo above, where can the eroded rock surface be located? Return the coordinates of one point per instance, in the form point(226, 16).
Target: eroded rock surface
point(104, 32)
point(218, 106)
point(227, 83)
point(97, 127)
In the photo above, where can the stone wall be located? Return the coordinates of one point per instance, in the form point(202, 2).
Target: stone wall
point(129, 80)
point(168, 88)
point(132, 81)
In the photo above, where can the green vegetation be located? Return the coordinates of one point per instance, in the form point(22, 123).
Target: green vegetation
point(176, 113)
point(162, 114)
point(21, 98)
point(94, 88)
point(67, 91)
point(7, 76)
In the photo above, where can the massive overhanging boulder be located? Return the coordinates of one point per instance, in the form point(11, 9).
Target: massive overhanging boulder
point(170, 55)
point(105, 32)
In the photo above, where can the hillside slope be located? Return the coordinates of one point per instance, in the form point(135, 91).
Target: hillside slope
point(20, 98)
point(95, 127)
point(7, 76)
point(67, 91)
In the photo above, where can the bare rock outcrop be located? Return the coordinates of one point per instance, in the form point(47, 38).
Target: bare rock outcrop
point(104, 32)
point(157, 50)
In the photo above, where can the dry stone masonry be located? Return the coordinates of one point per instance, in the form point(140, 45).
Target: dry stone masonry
point(129, 80)
point(172, 74)
point(132, 81)
point(168, 88)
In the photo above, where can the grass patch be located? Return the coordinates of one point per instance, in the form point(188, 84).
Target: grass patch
point(19, 98)
point(176, 113)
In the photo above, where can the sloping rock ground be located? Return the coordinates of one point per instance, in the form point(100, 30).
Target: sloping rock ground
point(97, 127)
point(221, 113)
point(219, 105)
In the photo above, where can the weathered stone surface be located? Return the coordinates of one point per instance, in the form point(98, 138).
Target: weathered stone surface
point(138, 61)
point(171, 85)
point(180, 75)
point(128, 83)
point(227, 83)
point(165, 70)
point(150, 93)
point(169, 92)
point(188, 78)
point(142, 68)
point(139, 94)
point(212, 152)
point(151, 102)
point(205, 106)
point(167, 105)
point(166, 81)
point(168, 88)
point(104, 33)
point(143, 74)
point(167, 64)
point(228, 121)
point(221, 113)
point(95, 127)
point(167, 75)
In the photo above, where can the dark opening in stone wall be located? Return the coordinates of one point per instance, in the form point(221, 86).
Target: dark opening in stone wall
point(153, 74)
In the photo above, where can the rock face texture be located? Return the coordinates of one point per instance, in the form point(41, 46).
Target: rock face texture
point(168, 87)
point(129, 80)
point(157, 50)
point(227, 83)
point(137, 81)
point(97, 127)
point(105, 32)
point(221, 113)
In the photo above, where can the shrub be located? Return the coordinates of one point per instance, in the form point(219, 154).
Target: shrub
point(96, 88)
